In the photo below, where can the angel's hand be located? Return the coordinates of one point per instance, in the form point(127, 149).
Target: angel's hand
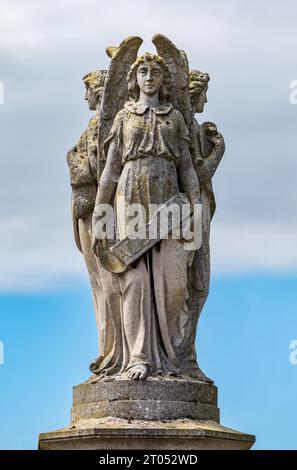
point(213, 135)
point(217, 140)
point(99, 244)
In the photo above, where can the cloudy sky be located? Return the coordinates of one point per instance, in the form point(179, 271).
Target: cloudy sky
point(249, 50)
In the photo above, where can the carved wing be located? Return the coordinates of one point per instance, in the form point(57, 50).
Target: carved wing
point(178, 65)
point(115, 91)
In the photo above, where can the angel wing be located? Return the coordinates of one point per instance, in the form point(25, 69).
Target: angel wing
point(178, 65)
point(115, 91)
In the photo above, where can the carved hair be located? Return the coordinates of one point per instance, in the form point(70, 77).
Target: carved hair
point(198, 83)
point(133, 88)
point(95, 81)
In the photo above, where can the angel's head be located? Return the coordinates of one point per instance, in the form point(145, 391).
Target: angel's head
point(94, 82)
point(149, 74)
point(198, 89)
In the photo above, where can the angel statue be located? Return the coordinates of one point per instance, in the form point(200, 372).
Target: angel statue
point(142, 204)
point(150, 151)
point(207, 149)
point(83, 165)
point(148, 162)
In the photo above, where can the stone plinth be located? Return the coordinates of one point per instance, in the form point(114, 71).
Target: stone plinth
point(122, 434)
point(153, 414)
point(150, 400)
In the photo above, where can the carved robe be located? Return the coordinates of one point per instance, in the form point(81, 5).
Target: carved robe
point(147, 145)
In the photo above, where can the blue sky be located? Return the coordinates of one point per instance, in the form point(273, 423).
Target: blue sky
point(46, 318)
point(243, 343)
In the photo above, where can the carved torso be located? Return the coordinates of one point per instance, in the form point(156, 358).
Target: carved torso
point(142, 131)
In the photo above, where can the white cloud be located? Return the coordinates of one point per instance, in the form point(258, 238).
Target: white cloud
point(254, 247)
point(46, 47)
point(38, 252)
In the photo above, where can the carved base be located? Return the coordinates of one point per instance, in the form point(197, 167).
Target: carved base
point(119, 434)
point(152, 414)
point(152, 399)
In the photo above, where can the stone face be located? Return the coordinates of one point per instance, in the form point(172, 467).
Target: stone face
point(120, 434)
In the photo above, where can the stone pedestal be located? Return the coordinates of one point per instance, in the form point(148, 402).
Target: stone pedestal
point(120, 434)
point(149, 400)
point(153, 414)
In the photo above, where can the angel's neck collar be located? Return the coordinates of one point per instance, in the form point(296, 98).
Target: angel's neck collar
point(139, 108)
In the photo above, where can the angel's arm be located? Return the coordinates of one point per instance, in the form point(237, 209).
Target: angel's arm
point(110, 176)
point(188, 176)
point(208, 166)
point(106, 189)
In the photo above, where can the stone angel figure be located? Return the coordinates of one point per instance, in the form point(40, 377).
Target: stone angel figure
point(148, 149)
point(85, 166)
point(208, 148)
point(82, 162)
point(147, 160)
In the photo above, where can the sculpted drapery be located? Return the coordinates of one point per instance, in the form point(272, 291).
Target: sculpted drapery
point(150, 149)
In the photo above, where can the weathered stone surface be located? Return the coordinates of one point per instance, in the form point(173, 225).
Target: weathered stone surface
point(167, 390)
point(154, 410)
point(145, 400)
point(111, 434)
point(144, 146)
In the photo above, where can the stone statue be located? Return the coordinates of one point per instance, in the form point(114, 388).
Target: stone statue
point(144, 146)
point(82, 161)
point(83, 165)
point(207, 148)
point(143, 160)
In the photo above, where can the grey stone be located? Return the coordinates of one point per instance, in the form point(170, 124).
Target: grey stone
point(119, 434)
point(145, 400)
point(153, 410)
point(171, 155)
point(166, 390)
